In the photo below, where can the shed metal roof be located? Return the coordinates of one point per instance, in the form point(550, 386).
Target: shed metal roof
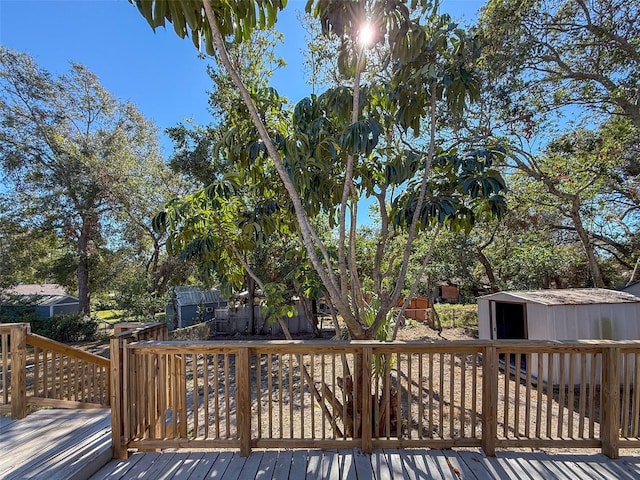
point(569, 296)
point(37, 289)
point(43, 295)
point(190, 295)
point(47, 300)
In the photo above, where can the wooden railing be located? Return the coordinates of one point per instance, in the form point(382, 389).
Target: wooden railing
point(37, 371)
point(282, 394)
point(126, 334)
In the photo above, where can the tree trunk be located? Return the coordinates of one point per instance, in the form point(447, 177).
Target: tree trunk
point(488, 269)
point(251, 294)
point(589, 249)
point(83, 268)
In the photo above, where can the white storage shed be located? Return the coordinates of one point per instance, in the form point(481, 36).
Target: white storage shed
point(569, 314)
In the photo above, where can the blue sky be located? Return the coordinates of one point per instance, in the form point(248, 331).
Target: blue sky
point(159, 72)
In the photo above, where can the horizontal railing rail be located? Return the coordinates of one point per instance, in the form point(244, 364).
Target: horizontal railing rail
point(326, 394)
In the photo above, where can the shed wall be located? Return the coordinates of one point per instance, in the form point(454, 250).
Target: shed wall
point(67, 309)
point(539, 321)
point(619, 321)
point(484, 316)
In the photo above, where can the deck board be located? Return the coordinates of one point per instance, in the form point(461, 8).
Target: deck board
point(74, 445)
point(283, 464)
point(298, 467)
point(314, 460)
point(330, 466)
point(267, 465)
point(55, 444)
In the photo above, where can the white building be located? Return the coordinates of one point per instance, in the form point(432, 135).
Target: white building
point(571, 314)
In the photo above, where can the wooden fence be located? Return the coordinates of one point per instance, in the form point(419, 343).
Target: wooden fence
point(282, 394)
point(38, 372)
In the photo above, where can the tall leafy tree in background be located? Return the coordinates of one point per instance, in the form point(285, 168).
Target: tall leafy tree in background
point(561, 78)
point(72, 155)
point(347, 142)
point(552, 54)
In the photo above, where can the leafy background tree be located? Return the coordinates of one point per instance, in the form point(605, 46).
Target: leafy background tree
point(81, 168)
point(347, 143)
point(561, 95)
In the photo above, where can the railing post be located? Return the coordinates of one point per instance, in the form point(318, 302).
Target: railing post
point(367, 427)
point(18, 339)
point(489, 400)
point(116, 378)
point(610, 408)
point(243, 399)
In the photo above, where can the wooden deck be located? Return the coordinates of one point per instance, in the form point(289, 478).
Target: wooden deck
point(75, 445)
point(352, 464)
point(55, 444)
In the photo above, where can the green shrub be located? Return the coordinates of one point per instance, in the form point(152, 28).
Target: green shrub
point(67, 328)
point(62, 328)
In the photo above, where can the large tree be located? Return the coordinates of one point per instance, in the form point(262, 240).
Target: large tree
point(552, 54)
point(350, 142)
point(73, 156)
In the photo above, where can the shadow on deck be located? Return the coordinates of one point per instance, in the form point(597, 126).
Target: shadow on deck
point(382, 464)
point(76, 445)
point(55, 444)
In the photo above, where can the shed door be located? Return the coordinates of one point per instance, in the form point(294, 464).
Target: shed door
point(510, 321)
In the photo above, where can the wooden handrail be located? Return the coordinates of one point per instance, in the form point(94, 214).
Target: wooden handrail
point(39, 341)
point(494, 394)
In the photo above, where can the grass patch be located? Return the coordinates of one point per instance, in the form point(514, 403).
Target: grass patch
point(109, 316)
point(453, 316)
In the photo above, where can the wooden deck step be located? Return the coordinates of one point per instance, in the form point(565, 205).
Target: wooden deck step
point(55, 444)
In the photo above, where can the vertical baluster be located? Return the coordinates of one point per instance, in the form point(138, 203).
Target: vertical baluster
point(311, 387)
point(441, 398)
point(516, 403)
point(550, 380)
point(258, 370)
point(452, 397)
point(290, 392)
point(431, 386)
point(216, 393)
point(571, 396)
point(205, 394)
point(420, 398)
point(593, 389)
point(227, 395)
point(562, 397)
point(476, 392)
point(270, 374)
point(627, 376)
point(507, 394)
point(583, 394)
point(280, 396)
point(36, 371)
point(539, 393)
point(635, 412)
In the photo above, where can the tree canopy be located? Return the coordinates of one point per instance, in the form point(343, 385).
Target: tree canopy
point(75, 161)
point(354, 140)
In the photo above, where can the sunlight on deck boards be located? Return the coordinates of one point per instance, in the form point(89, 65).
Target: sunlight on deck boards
point(55, 444)
point(414, 464)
